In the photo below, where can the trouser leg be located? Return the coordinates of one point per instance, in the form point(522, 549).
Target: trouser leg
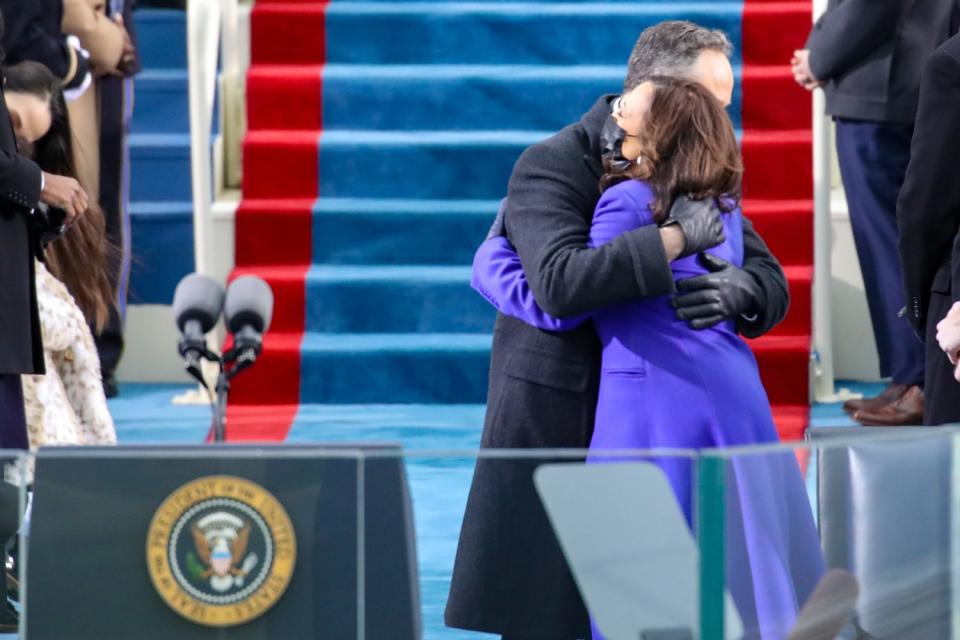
point(873, 160)
point(116, 107)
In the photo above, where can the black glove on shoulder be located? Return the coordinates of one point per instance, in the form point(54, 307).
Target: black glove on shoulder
point(726, 292)
point(700, 221)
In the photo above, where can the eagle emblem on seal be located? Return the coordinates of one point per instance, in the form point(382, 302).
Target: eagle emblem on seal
point(221, 541)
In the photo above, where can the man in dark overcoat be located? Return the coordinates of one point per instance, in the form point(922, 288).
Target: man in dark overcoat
point(868, 55)
point(510, 576)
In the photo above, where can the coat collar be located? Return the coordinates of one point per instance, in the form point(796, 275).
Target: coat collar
point(592, 123)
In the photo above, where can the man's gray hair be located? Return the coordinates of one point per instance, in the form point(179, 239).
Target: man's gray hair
point(670, 49)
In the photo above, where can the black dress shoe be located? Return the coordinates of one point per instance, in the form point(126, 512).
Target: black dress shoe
point(110, 387)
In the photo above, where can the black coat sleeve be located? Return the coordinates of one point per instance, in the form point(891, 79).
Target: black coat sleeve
point(928, 208)
point(775, 294)
point(28, 36)
point(849, 32)
point(20, 182)
point(549, 205)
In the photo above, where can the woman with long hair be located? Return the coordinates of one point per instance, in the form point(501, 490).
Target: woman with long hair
point(67, 406)
point(665, 385)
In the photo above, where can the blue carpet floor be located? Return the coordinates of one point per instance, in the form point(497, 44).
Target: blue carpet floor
point(145, 414)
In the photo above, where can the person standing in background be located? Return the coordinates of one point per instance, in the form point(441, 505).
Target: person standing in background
point(929, 216)
point(66, 406)
point(23, 186)
point(868, 55)
point(104, 39)
point(116, 110)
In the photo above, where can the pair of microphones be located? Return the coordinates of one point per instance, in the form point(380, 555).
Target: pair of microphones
point(246, 307)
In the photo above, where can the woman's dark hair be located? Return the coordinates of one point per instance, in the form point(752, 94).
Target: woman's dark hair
point(688, 148)
point(79, 257)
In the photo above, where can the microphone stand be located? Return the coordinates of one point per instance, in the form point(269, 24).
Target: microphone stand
point(241, 357)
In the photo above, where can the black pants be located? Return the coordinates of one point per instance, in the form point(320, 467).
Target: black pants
point(116, 104)
point(13, 421)
point(941, 402)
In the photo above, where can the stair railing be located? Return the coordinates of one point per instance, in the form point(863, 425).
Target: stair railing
point(822, 356)
point(203, 40)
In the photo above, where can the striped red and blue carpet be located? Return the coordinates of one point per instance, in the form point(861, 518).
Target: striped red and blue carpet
point(381, 137)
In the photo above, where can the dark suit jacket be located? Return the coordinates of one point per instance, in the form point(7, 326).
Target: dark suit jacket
point(33, 32)
point(928, 209)
point(510, 576)
point(21, 350)
point(872, 53)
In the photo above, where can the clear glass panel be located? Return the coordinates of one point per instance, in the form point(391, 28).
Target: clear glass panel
point(389, 542)
point(848, 536)
point(514, 541)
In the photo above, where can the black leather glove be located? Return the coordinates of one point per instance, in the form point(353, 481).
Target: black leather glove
point(498, 228)
point(724, 293)
point(701, 224)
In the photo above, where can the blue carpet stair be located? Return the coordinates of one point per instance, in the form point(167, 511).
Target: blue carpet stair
point(161, 208)
point(397, 232)
point(424, 108)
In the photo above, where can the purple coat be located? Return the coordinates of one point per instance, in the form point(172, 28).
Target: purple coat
point(665, 385)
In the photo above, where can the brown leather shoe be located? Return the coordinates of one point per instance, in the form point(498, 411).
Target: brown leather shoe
point(889, 395)
point(907, 411)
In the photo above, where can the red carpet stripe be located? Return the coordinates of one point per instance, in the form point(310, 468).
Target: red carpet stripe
point(778, 183)
point(273, 221)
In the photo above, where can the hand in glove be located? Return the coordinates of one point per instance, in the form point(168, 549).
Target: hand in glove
point(724, 293)
point(700, 222)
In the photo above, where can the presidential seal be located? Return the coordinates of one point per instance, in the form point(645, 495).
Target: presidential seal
point(221, 551)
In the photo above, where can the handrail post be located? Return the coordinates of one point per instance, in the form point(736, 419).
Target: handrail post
point(203, 44)
point(822, 233)
point(203, 29)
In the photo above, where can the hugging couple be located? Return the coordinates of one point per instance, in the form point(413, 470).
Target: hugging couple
point(624, 275)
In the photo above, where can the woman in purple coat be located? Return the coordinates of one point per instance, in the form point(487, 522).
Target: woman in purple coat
point(666, 385)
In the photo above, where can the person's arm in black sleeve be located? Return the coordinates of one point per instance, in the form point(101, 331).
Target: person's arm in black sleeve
point(545, 223)
point(774, 292)
point(21, 181)
point(849, 32)
point(928, 208)
point(25, 38)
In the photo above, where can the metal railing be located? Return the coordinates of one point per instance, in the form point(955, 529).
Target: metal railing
point(213, 33)
point(823, 387)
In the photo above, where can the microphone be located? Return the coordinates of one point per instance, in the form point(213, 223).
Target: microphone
point(248, 310)
point(197, 303)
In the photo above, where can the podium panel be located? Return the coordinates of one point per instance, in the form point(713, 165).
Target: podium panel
point(222, 542)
